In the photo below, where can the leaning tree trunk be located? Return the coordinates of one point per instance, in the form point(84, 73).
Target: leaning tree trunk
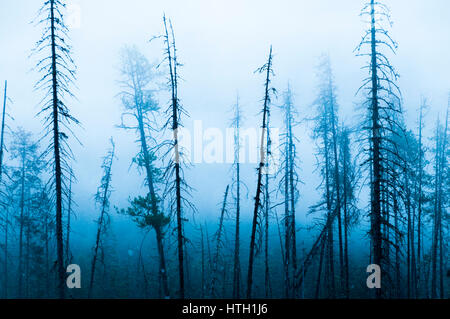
point(268, 68)
point(101, 220)
point(218, 245)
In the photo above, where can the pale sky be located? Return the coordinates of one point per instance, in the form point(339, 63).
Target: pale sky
point(220, 43)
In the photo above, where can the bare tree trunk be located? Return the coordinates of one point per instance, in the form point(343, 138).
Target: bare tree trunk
point(330, 251)
point(419, 212)
point(376, 159)
point(57, 158)
point(237, 263)
point(218, 245)
point(103, 212)
point(173, 80)
point(346, 224)
point(267, 289)
point(287, 231)
point(259, 183)
point(291, 218)
point(337, 183)
point(435, 240)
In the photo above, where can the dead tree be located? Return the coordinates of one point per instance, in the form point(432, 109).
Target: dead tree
point(382, 99)
point(219, 245)
point(326, 135)
point(141, 106)
point(267, 68)
point(439, 199)
point(288, 184)
point(102, 198)
point(419, 190)
point(236, 123)
point(176, 188)
point(267, 203)
point(58, 72)
point(350, 180)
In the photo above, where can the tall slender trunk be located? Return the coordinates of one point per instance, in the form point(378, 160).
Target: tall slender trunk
point(292, 226)
point(337, 184)
point(287, 223)
point(435, 234)
point(237, 263)
point(376, 159)
point(440, 227)
point(100, 222)
point(397, 244)
point(330, 217)
point(419, 209)
point(218, 245)
point(154, 201)
point(408, 233)
point(266, 216)
point(259, 183)
point(345, 181)
point(174, 99)
point(57, 155)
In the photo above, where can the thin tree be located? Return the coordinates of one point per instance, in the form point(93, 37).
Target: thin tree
point(219, 245)
point(176, 188)
point(58, 71)
point(237, 123)
point(382, 99)
point(288, 184)
point(267, 68)
point(102, 198)
point(141, 106)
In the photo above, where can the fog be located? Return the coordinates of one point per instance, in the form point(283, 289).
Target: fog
point(220, 44)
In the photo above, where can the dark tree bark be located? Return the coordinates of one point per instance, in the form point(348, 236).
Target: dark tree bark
point(178, 187)
point(268, 69)
point(59, 72)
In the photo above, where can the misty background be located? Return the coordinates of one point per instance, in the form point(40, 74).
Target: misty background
point(221, 44)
